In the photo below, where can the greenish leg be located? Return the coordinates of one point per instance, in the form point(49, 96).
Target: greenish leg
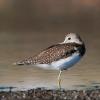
point(59, 79)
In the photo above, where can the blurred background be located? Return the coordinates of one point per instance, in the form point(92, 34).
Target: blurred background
point(37, 15)
point(28, 26)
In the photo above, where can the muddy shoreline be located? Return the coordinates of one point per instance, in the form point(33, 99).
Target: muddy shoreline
point(50, 94)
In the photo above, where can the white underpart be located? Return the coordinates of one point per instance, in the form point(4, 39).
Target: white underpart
point(62, 63)
point(66, 62)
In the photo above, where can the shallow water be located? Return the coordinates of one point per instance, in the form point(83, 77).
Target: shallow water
point(16, 46)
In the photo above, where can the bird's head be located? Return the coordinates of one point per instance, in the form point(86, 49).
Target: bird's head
point(73, 38)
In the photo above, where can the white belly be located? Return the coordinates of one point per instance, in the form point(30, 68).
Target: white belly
point(62, 63)
point(67, 62)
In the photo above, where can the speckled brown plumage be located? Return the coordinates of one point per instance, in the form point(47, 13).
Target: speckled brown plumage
point(53, 53)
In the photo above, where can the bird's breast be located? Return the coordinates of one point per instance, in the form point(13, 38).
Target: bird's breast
point(66, 63)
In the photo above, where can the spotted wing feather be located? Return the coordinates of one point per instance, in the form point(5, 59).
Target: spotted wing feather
point(50, 54)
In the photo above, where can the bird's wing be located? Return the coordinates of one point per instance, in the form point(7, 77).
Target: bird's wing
point(50, 54)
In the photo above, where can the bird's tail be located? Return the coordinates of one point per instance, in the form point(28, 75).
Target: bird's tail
point(27, 61)
point(19, 63)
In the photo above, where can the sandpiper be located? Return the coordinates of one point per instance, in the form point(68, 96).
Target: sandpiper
point(59, 56)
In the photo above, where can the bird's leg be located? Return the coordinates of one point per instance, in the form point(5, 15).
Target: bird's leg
point(59, 79)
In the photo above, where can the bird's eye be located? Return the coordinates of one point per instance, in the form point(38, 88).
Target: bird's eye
point(69, 38)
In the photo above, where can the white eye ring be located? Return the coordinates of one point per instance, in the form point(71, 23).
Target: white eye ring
point(69, 38)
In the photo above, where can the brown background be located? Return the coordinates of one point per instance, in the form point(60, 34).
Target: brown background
point(28, 26)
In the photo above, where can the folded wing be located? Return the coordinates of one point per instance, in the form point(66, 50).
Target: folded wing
point(50, 54)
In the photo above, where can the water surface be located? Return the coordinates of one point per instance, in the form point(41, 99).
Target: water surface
point(16, 46)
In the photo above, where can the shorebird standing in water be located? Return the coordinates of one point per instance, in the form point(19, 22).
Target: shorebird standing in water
point(60, 56)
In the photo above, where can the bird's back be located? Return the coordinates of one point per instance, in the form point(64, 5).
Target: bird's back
point(53, 53)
